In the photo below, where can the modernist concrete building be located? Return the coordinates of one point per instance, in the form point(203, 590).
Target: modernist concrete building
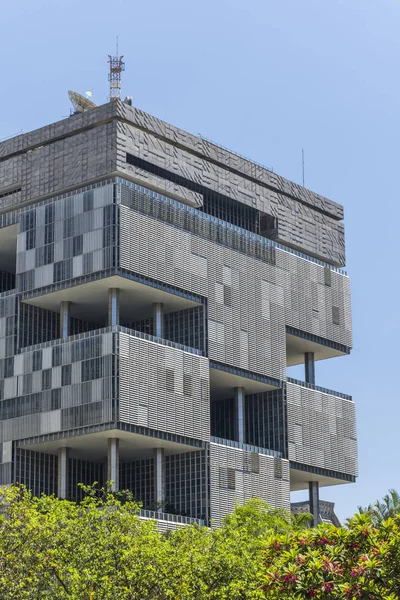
point(154, 289)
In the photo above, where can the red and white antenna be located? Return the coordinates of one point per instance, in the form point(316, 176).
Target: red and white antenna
point(117, 65)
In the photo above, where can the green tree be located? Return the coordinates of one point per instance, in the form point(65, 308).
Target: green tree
point(356, 561)
point(383, 509)
point(101, 550)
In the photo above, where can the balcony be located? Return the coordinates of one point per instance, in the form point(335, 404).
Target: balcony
point(322, 442)
point(89, 384)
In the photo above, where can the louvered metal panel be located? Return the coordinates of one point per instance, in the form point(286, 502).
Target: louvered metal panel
point(144, 393)
point(237, 475)
point(321, 430)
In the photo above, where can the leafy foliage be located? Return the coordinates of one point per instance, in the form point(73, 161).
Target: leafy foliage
point(383, 509)
point(357, 561)
point(101, 550)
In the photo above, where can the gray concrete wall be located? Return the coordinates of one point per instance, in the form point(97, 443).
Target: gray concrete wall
point(94, 144)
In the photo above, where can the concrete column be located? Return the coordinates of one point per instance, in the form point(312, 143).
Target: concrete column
point(309, 367)
point(113, 307)
point(239, 414)
point(113, 463)
point(158, 317)
point(159, 477)
point(62, 486)
point(314, 502)
point(65, 309)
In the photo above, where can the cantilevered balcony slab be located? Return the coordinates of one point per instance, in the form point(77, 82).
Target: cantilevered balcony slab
point(298, 343)
point(300, 478)
point(89, 301)
point(321, 435)
point(94, 446)
point(224, 379)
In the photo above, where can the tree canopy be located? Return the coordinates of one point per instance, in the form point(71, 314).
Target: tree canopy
point(100, 549)
point(383, 509)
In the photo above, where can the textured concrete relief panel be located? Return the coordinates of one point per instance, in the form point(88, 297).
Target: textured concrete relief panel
point(164, 388)
point(59, 129)
point(321, 430)
point(62, 164)
point(225, 158)
point(237, 476)
point(171, 189)
point(297, 223)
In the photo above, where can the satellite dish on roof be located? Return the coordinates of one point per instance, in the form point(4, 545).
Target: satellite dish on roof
point(79, 102)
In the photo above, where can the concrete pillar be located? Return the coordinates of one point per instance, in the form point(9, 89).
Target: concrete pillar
point(159, 478)
point(309, 367)
point(239, 414)
point(65, 309)
point(314, 502)
point(62, 486)
point(158, 318)
point(113, 307)
point(113, 463)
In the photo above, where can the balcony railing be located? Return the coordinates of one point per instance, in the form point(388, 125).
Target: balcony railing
point(160, 516)
point(246, 447)
point(229, 226)
point(114, 329)
point(318, 388)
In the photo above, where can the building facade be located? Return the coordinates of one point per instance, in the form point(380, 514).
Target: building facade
point(154, 288)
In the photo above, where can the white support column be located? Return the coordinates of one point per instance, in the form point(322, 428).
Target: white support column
point(113, 463)
point(113, 307)
point(239, 414)
point(65, 309)
point(314, 502)
point(62, 486)
point(159, 478)
point(158, 318)
point(309, 367)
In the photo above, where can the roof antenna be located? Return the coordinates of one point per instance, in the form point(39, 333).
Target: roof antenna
point(302, 160)
point(117, 65)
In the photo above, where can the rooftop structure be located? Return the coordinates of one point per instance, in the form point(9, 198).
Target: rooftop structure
point(326, 511)
point(154, 288)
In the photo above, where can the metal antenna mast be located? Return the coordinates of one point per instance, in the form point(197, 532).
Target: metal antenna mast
point(117, 65)
point(302, 160)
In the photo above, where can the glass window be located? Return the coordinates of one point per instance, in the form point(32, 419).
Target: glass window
point(46, 379)
point(49, 213)
point(30, 239)
point(88, 201)
point(49, 234)
point(56, 399)
point(77, 245)
point(91, 369)
point(9, 367)
point(66, 371)
point(37, 360)
point(57, 356)
point(48, 254)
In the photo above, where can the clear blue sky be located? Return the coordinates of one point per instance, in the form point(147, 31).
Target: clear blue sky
point(266, 78)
